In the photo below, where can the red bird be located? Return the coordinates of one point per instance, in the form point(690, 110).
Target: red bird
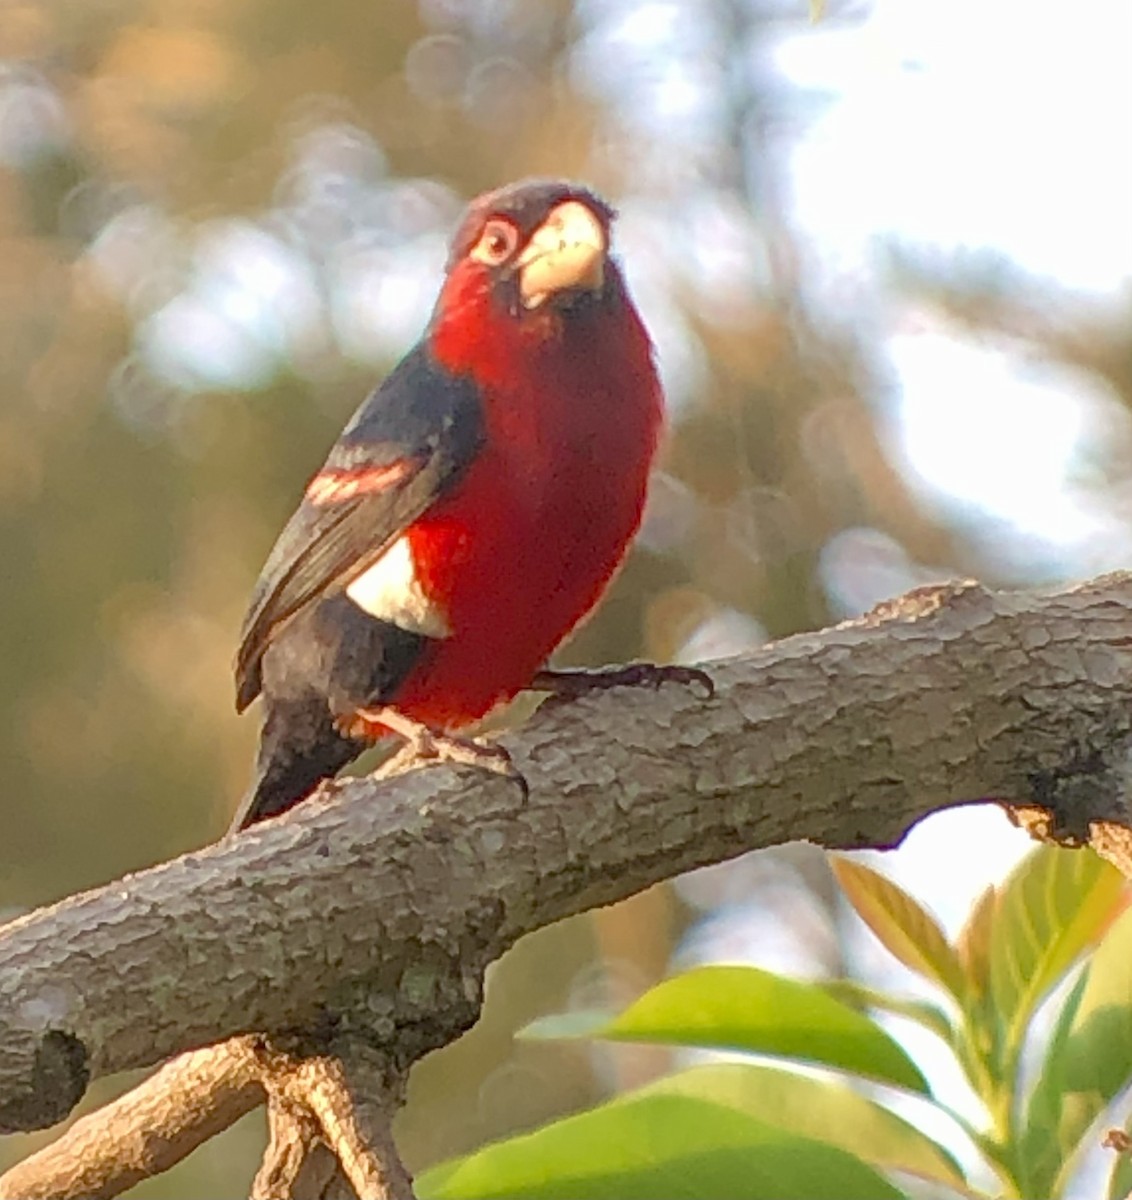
point(472, 511)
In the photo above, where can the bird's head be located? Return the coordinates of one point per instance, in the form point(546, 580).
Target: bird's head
point(530, 256)
point(534, 243)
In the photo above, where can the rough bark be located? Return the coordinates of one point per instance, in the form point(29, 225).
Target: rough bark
point(375, 911)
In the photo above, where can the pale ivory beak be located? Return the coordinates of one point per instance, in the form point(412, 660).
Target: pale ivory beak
point(566, 251)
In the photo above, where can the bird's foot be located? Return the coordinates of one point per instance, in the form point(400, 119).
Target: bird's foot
point(426, 745)
point(467, 752)
point(568, 685)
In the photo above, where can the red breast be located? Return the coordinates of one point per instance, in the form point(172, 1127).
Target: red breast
point(522, 549)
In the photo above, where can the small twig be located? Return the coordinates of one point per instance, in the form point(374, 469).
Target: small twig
point(330, 1117)
point(348, 1097)
point(147, 1131)
point(297, 1164)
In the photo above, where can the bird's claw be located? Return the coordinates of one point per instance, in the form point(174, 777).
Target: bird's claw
point(467, 752)
point(423, 744)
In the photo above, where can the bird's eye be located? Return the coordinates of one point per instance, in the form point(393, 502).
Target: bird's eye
point(497, 243)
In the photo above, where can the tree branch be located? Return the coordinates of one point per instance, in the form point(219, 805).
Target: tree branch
point(293, 1140)
point(342, 1096)
point(146, 1131)
point(372, 915)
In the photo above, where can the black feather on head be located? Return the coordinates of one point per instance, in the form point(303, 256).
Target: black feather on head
point(526, 204)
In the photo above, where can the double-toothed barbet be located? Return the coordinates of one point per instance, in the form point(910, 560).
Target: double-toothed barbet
point(472, 512)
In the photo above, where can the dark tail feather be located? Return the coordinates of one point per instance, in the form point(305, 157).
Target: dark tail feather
point(290, 766)
point(274, 791)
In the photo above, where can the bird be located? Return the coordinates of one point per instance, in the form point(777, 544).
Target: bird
point(472, 512)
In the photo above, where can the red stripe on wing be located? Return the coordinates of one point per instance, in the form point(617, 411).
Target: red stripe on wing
point(332, 486)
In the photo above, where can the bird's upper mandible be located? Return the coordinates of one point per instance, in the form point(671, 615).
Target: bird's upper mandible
point(566, 251)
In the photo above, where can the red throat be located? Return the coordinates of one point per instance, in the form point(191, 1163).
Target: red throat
point(523, 548)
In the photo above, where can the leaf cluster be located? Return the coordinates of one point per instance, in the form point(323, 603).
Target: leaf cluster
point(805, 1105)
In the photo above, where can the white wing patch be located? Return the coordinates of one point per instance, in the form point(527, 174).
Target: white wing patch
point(390, 591)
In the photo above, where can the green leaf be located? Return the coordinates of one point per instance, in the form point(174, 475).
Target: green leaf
point(818, 1108)
point(1052, 908)
point(1051, 1132)
point(1098, 1050)
point(907, 929)
point(640, 1147)
point(978, 1046)
point(1087, 1063)
point(1092, 1063)
point(860, 996)
point(744, 1008)
point(973, 944)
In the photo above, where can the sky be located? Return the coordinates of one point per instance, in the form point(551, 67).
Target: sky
point(999, 129)
point(928, 94)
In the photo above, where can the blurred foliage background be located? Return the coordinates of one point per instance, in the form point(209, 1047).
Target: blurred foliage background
point(886, 261)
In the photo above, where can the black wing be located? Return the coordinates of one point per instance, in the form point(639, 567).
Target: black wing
point(405, 446)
